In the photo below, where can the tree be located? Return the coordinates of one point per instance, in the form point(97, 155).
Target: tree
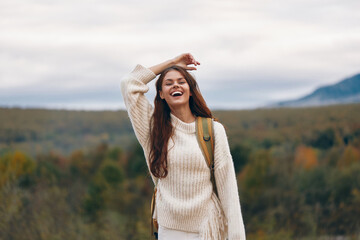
point(351, 155)
point(240, 154)
point(305, 157)
point(15, 165)
point(323, 139)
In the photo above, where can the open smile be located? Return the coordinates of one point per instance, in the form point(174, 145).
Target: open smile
point(176, 94)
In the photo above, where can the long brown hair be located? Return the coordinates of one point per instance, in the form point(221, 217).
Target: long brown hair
point(161, 127)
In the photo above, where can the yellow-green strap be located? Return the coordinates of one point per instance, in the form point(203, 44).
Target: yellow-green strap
point(205, 136)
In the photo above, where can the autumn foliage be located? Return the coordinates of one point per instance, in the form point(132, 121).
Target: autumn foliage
point(77, 176)
point(305, 157)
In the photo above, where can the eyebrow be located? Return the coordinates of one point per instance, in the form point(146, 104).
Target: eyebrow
point(170, 79)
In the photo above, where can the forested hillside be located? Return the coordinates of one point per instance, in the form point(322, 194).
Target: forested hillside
point(82, 175)
point(38, 130)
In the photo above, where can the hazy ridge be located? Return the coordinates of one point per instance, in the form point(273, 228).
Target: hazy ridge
point(345, 91)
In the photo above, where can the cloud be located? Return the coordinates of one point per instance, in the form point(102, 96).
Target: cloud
point(252, 52)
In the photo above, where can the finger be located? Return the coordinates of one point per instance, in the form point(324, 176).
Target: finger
point(193, 61)
point(191, 68)
point(190, 59)
point(189, 56)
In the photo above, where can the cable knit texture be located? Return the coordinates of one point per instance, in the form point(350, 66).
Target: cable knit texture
point(185, 200)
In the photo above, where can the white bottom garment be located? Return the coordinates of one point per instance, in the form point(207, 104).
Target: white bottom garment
point(172, 234)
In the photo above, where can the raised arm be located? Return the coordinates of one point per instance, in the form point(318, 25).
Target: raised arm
point(183, 60)
point(134, 86)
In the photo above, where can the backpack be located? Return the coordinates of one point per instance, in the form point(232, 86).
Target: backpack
point(205, 137)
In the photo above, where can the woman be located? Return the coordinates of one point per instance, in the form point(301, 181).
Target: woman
point(186, 206)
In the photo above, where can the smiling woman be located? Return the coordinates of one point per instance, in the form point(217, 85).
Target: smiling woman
point(174, 89)
point(177, 95)
point(187, 206)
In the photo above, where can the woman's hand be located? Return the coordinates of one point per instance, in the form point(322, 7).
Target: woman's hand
point(184, 60)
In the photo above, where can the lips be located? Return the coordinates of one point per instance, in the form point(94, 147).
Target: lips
point(176, 94)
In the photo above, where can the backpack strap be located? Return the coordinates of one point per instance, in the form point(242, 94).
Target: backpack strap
point(205, 137)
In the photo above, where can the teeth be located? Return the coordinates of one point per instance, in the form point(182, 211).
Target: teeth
point(174, 93)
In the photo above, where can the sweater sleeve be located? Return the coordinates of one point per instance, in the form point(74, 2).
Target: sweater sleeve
point(227, 185)
point(133, 88)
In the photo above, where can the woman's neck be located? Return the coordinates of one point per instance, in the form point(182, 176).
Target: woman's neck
point(184, 114)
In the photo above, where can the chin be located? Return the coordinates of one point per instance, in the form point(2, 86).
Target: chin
point(177, 104)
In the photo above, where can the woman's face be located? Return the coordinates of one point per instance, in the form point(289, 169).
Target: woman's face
point(175, 89)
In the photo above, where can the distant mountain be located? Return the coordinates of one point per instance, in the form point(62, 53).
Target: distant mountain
point(346, 91)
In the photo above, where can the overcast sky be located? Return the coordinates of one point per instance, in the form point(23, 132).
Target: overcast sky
point(73, 53)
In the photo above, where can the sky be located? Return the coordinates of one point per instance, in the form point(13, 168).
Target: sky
point(72, 54)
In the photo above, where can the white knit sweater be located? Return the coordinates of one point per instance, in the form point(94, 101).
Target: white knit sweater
point(185, 199)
